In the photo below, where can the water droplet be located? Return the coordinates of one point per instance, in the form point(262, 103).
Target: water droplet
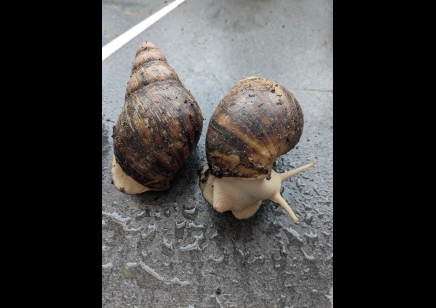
point(307, 206)
point(150, 229)
point(168, 244)
point(133, 229)
point(193, 245)
point(294, 234)
point(180, 224)
point(308, 218)
point(117, 216)
point(219, 259)
point(192, 224)
point(330, 296)
point(308, 257)
point(151, 271)
point(325, 201)
point(311, 238)
point(311, 235)
point(200, 236)
point(131, 264)
point(327, 235)
point(214, 234)
point(251, 259)
point(190, 211)
point(299, 183)
point(107, 265)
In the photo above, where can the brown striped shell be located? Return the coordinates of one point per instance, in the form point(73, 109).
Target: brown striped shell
point(256, 122)
point(160, 123)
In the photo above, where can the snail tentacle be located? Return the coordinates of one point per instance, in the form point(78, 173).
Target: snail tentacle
point(286, 175)
point(279, 199)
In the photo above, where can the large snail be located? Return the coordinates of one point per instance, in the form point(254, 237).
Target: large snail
point(159, 126)
point(256, 122)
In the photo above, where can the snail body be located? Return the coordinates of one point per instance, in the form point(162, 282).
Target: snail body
point(256, 122)
point(159, 126)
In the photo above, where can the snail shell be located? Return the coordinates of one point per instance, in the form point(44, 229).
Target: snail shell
point(256, 122)
point(159, 126)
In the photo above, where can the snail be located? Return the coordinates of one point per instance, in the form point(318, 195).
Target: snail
point(256, 122)
point(158, 127)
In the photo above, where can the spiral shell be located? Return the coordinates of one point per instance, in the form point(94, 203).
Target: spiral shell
point(160, 123)
point(256, 122)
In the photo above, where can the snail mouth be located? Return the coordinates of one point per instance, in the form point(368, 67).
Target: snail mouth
point(248, 211)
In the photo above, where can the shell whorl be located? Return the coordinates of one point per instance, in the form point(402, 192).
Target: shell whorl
point(160, 123)
point(256, 122)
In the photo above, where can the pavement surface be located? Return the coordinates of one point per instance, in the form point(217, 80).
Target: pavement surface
point(171, 248)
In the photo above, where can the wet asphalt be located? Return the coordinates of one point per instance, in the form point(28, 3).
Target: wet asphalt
point(171, 248)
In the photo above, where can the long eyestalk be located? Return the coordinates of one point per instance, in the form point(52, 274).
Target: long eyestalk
point(283, 177)
point(286, 175)
point(279, 199)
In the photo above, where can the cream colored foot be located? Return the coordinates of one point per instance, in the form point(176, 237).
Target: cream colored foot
point(125, 183)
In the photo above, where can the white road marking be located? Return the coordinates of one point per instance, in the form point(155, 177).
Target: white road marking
point(117, 43)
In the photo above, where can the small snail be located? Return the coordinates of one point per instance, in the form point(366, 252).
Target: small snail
point(159, 126)
point(256, 122)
